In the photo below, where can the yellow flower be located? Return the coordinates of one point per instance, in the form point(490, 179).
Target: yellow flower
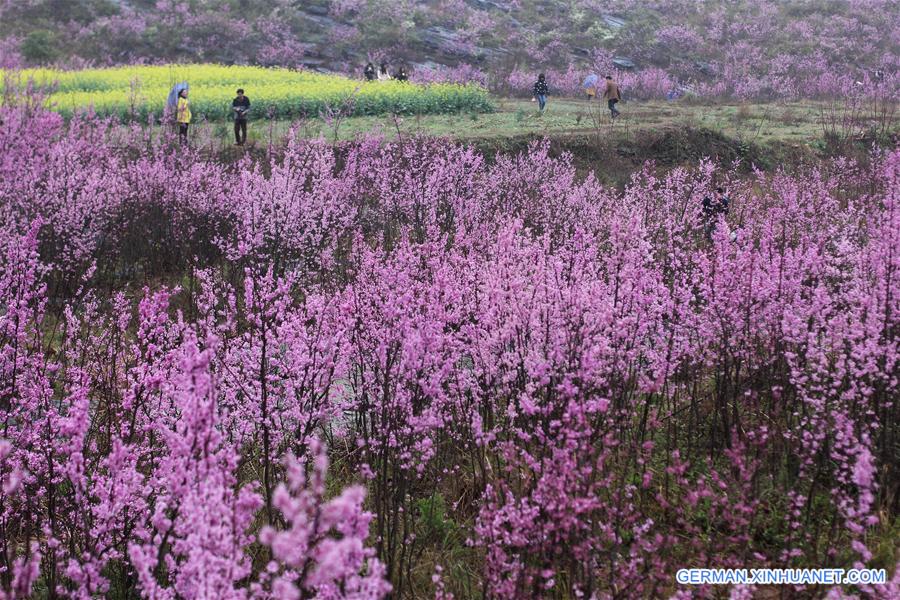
point(137, 91)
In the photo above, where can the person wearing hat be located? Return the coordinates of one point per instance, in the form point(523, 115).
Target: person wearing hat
point(540, 91)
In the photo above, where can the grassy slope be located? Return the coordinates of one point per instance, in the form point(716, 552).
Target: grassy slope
point(766, 135)
point(798, 123)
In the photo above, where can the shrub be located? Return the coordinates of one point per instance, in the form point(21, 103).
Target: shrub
point(40, 47)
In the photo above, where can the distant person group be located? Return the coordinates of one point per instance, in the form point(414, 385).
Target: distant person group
point(240, 109)
point(382, 73)
point(611, 93)
point(240, 106)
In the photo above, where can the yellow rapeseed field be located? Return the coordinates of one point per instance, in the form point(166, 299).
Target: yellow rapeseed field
point(136, 92)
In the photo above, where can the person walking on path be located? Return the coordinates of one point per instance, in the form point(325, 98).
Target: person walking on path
point(612, 96)
point(240, 106)
point(540, 91)
point(369, 72)
point(183, 115)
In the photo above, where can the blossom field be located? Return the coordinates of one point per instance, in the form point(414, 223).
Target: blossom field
point(401, 368)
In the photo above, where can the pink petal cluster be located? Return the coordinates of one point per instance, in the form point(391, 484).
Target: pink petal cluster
point(572, 387)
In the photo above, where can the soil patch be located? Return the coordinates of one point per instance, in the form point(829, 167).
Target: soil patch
point(614, 158)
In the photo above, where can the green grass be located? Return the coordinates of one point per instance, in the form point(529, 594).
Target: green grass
point(798, 123)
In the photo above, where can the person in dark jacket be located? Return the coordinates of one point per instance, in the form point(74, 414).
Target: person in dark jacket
point(540, 91)
point(612, 95)
point(240, 106)
point(714, 209)
point(401, 74)
point(369, 72)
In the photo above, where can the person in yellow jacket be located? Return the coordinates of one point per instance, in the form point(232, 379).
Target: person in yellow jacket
point(183, 115)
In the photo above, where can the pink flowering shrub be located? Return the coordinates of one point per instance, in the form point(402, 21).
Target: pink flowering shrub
point(309, 561)
point(19, 579)
point(650, 83)
point(592, 390)
point(198, 521)
point(10, 58)
point(463, 73)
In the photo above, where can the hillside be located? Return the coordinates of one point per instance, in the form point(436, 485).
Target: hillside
point(744, 49)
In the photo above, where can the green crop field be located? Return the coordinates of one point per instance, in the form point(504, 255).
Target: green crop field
point(136, 92)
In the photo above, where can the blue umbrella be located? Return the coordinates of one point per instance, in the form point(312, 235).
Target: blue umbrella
point(590, 81)
point(172, 101)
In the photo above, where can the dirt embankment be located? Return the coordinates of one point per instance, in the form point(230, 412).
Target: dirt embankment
point(614, 159)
